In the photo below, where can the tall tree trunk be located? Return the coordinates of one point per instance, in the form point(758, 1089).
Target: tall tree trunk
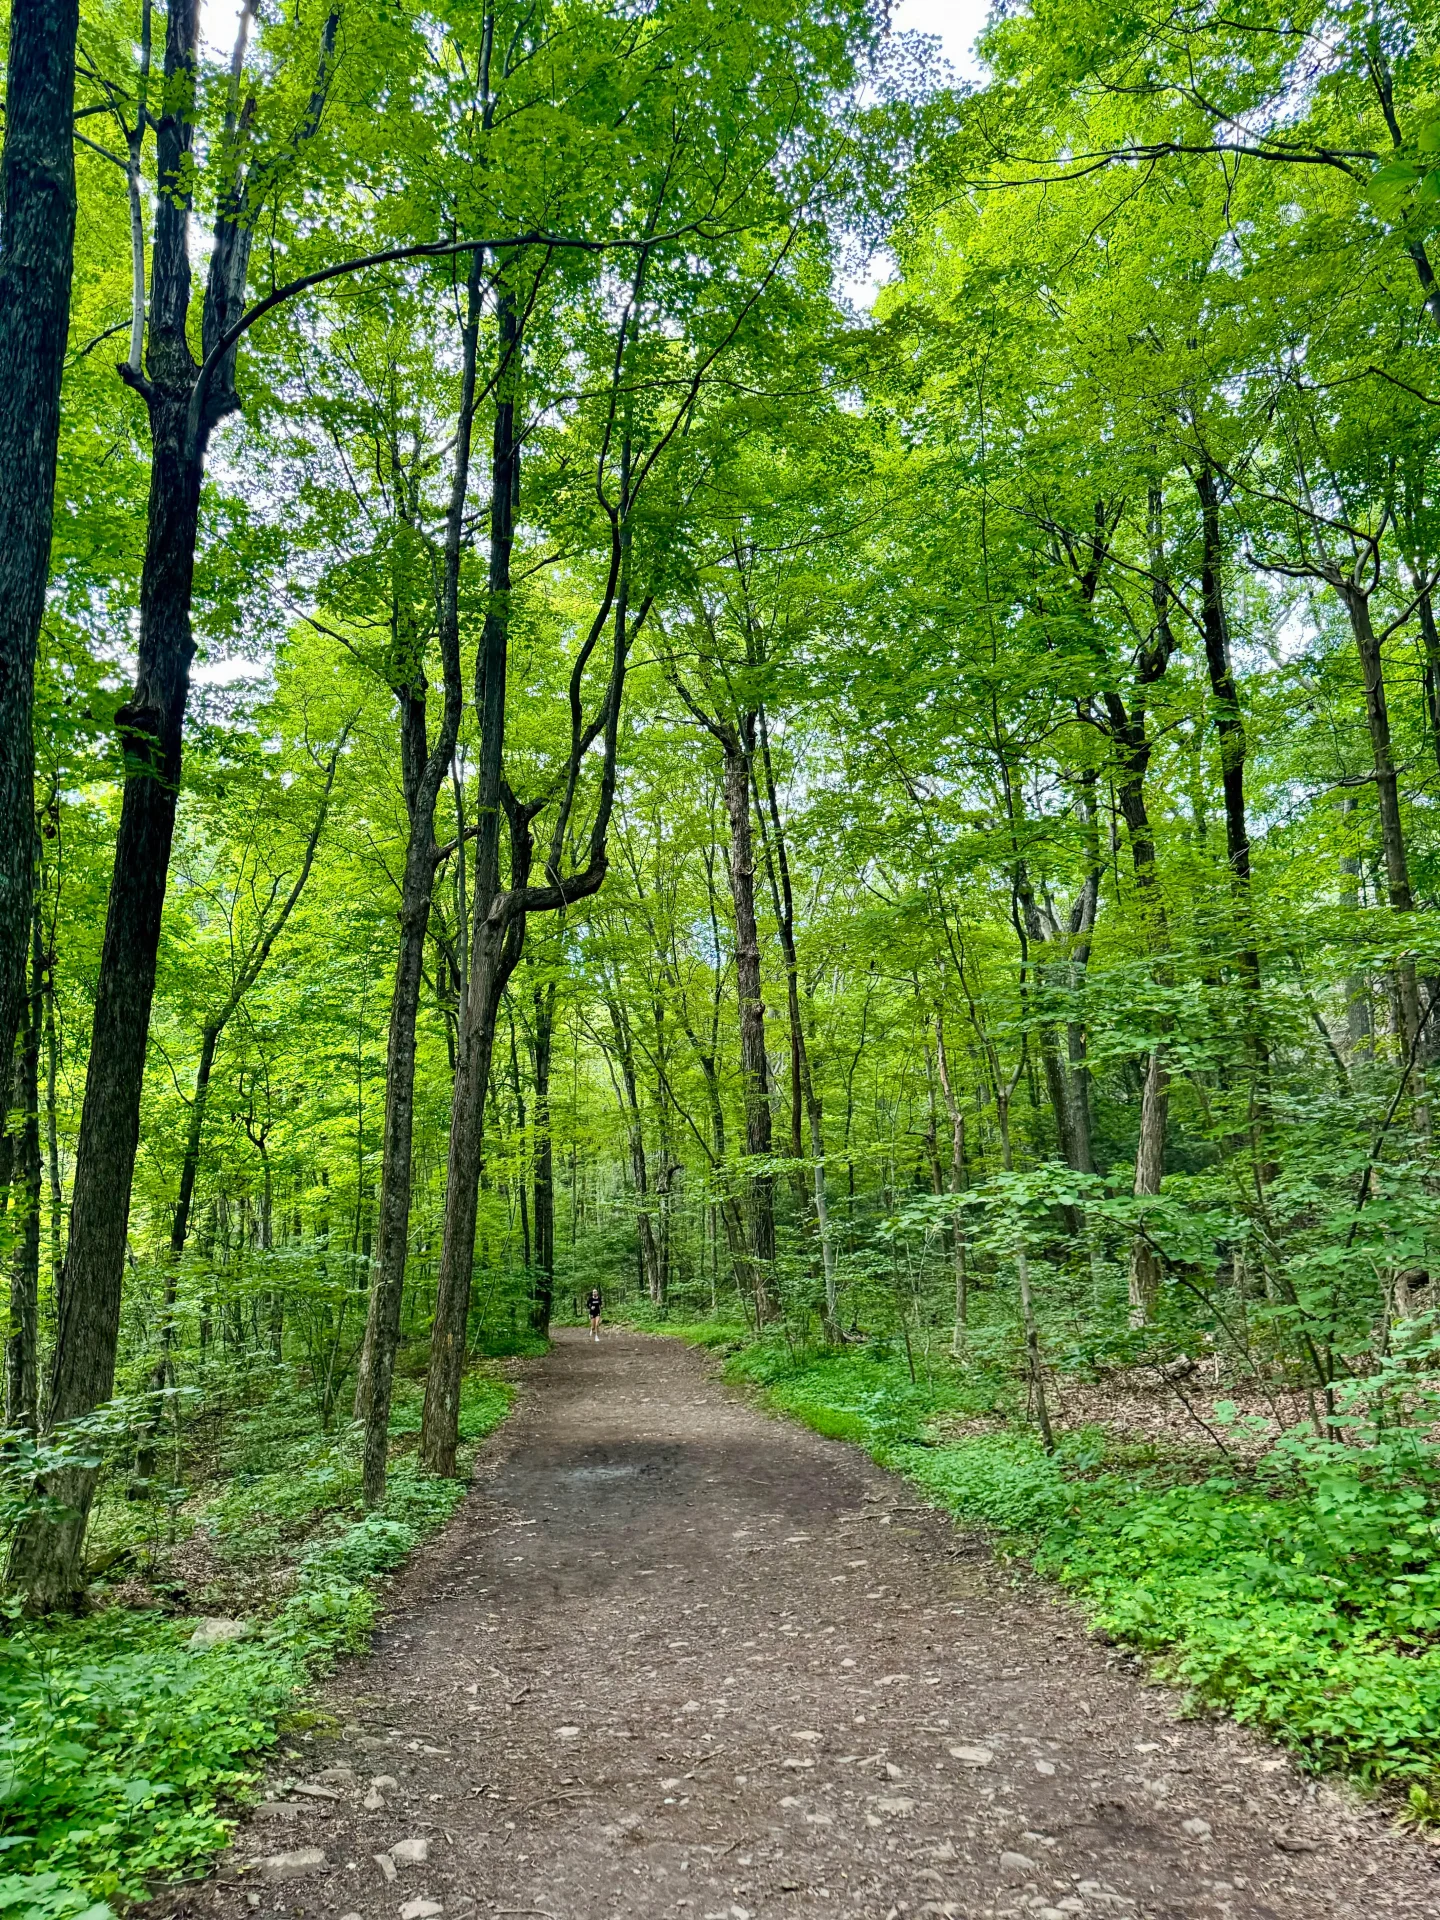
point(1430, 634)
point(423, 774)
point(374, 1387)
point(499, 935)
point(1230, 730)
point(52, 1124)
point(1229, 722)
point(544, 1173)
point(738, 747)
point(194, 1132)
point(498, 932)
point(47, 1552)
point(1131, 735)
point(802, 1079)
point(1082, 934)
point(37, 246)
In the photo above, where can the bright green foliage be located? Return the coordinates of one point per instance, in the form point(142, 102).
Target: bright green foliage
point(120, 1743)
point(123, 1750)
point(1073, 611)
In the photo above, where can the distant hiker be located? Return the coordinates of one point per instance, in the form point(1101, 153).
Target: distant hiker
point(594, 1304)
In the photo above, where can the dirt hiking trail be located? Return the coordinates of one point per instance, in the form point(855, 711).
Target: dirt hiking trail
point(676, 1657)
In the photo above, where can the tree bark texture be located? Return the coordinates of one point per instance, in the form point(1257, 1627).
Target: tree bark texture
point(423, 771)
point(387, 1280)
point(738, 747)
point(46, 1555)
point(497, 937)
point(802, 1079)
point(1130, 731)
point(37, 246)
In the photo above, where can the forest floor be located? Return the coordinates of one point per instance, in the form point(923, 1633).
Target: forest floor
point(675, 1656)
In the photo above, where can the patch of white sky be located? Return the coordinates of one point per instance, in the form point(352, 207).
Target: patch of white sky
point(956, 24)
point(218, 22)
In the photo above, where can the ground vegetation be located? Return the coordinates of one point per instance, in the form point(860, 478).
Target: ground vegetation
point(658, 648)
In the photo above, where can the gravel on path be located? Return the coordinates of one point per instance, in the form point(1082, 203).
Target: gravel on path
point(676, 1657)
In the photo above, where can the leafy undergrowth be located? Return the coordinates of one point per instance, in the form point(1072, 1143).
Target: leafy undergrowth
point(121, 1747)
point(1302, 1597)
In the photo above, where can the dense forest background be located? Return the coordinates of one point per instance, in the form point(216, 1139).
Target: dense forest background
point(572, 749)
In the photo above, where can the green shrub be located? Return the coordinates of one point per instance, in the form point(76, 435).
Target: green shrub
point(118, 1744)
point(120, 1748)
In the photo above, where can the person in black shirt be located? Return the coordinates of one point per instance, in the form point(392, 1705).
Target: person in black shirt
point(595, 1303)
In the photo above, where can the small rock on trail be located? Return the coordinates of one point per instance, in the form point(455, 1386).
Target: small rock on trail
point(593, 1692)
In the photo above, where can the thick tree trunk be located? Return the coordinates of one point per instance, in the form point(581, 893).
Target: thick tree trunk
point(754, 1067)
point(46, 1557)
point(423, 773)
point(82, 1375)
point(37, 244)
point(497, 938)
point(543, 1302)
point(499, 934)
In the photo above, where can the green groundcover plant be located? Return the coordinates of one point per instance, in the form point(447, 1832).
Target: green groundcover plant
point(123, 1751)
